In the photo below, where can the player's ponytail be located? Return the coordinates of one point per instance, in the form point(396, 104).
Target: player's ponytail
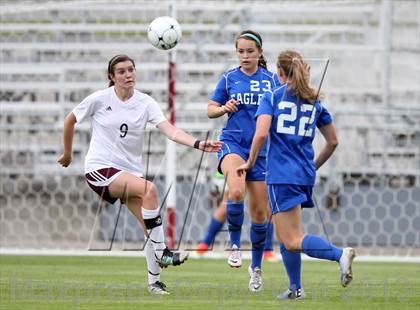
point(111, 64)
point(262, 62)
point(256, 37)
point(297, 75)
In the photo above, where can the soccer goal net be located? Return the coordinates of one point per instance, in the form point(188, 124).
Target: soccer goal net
point(54, 53)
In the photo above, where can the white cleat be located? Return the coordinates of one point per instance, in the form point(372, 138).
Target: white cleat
point(234, 259)
point(157, 288)
point(255, 279)
point(346, 259)
point(298, 294)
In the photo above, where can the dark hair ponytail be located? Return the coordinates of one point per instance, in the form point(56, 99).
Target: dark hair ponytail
point(256, 37)
point(262, 62)
point(111, 64)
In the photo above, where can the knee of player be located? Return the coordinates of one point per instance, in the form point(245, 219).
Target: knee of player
point(236, 195)
point(259, 216)
point(151, 191)
point(292, 244)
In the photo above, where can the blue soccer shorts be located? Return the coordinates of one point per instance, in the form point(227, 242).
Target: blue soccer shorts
point(283, 197)
point(230, 147)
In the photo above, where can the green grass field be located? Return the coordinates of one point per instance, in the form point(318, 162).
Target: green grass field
point(30, 282)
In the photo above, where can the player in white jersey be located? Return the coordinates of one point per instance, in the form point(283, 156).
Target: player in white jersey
point(119, 115)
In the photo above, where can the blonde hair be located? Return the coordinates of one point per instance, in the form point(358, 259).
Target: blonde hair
point(297, 74)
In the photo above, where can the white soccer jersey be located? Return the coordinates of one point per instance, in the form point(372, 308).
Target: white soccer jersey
point(117, 129)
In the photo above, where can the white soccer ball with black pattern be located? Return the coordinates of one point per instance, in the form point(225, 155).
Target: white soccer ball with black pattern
point(164, 32)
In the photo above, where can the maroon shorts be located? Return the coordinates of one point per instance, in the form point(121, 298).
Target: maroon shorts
point(99, 181)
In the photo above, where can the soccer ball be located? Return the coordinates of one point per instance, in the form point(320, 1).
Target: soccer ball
point(164, 32)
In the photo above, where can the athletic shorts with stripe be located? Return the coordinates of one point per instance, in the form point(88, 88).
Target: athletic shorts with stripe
point(99, 180)
point(283, 197)
point(231, 147)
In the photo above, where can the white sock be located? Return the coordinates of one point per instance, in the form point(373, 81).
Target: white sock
point(153, 268)
point(156, 235)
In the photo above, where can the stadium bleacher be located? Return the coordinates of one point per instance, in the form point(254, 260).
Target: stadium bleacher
point(54, 54)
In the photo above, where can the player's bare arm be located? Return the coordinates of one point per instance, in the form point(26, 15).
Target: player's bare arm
point(261, 134)
point(330, 136)
point(179, 136)
point(69, 122)
point(214, 109)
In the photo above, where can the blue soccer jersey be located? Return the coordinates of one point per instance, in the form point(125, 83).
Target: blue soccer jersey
point(290, 158)
point(247, 90)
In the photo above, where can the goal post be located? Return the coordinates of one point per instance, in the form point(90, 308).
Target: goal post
point(171, 148)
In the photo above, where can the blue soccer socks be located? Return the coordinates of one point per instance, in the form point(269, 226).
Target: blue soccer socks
point(235, 219)
point(257, 236)
point(212, 230)
point(292, 263)
point(317, 247)
point(268, 245)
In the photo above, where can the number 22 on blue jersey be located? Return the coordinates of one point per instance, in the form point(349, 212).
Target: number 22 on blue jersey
point(301, 127)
